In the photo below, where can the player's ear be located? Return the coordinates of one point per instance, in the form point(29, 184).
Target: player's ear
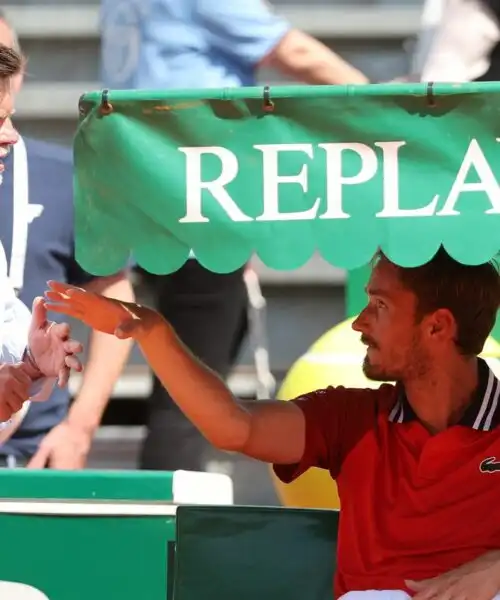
point(440, 325)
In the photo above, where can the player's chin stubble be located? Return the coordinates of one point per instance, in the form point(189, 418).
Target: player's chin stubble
point(374, 373)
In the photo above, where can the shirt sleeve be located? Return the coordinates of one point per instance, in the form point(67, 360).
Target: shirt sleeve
point(457, 53)
point(336, 418)
point(247, 29)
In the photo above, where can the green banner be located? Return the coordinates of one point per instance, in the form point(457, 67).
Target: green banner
point(286, 172)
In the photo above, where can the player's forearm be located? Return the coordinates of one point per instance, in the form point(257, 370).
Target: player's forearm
point(199, 392)
point(492, 557)
point(306, 59)
point(107, 357)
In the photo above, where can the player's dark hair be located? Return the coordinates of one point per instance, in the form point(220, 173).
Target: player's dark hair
point(470, 293)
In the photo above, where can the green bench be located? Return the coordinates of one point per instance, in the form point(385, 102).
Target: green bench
point(254, 553)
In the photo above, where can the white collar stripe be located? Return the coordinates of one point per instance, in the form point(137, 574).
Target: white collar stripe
point(486, 401)
point(482, 415)
point(394, 412)
point(493, 408)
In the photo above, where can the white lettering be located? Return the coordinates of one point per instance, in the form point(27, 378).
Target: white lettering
point(272, 180)
point(216, 187)
point(335, 180)
point(390, 151)
point(487, 183)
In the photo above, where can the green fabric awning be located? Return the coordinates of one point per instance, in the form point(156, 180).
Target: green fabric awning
point(287, 172)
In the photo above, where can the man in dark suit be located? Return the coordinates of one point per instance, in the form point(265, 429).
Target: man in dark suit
point(37, 232)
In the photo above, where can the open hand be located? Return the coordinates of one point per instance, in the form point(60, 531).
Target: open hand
point(65, 447)
point(52, 350)
point(123, 319)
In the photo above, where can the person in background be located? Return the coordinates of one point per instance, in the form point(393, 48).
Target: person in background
point(34, 352)
point(430, 19)
point(448, 51)
point(37, 232)
point(169, 44)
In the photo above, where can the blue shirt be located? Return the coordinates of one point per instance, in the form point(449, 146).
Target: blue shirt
point(38, 237)
point(165, 44)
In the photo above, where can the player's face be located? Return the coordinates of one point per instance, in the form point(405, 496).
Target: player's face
point(8, 134)
point(389, 329)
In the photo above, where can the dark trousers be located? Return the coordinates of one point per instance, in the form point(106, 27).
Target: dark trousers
point(209, 313)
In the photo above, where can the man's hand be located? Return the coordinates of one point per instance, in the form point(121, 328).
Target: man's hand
point(476, 580)
point(14, 389)
point(51, 347)
point(123, 319)
point(65, 447)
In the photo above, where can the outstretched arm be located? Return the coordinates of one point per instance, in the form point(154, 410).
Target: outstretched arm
point(269, 431)
point(314, 430)
point(266, 430)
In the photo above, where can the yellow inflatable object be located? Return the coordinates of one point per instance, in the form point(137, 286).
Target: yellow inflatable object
point(335, 359)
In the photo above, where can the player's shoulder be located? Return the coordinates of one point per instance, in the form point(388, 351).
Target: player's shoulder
point(49, 152)
point(381, 395)
point(372, 400)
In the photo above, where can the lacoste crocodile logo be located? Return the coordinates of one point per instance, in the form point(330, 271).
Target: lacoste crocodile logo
point(490, 465)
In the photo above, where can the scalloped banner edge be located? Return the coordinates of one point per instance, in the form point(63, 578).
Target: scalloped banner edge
point(217, 265)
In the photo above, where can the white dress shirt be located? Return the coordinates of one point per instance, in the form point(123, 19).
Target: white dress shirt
point(15, 319)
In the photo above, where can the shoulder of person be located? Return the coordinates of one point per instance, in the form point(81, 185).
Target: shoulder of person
point(379, 399)
point(382, 393)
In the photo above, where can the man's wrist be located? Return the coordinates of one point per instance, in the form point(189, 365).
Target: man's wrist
point(80, 421)
point(32, 369)
point(156, 326)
